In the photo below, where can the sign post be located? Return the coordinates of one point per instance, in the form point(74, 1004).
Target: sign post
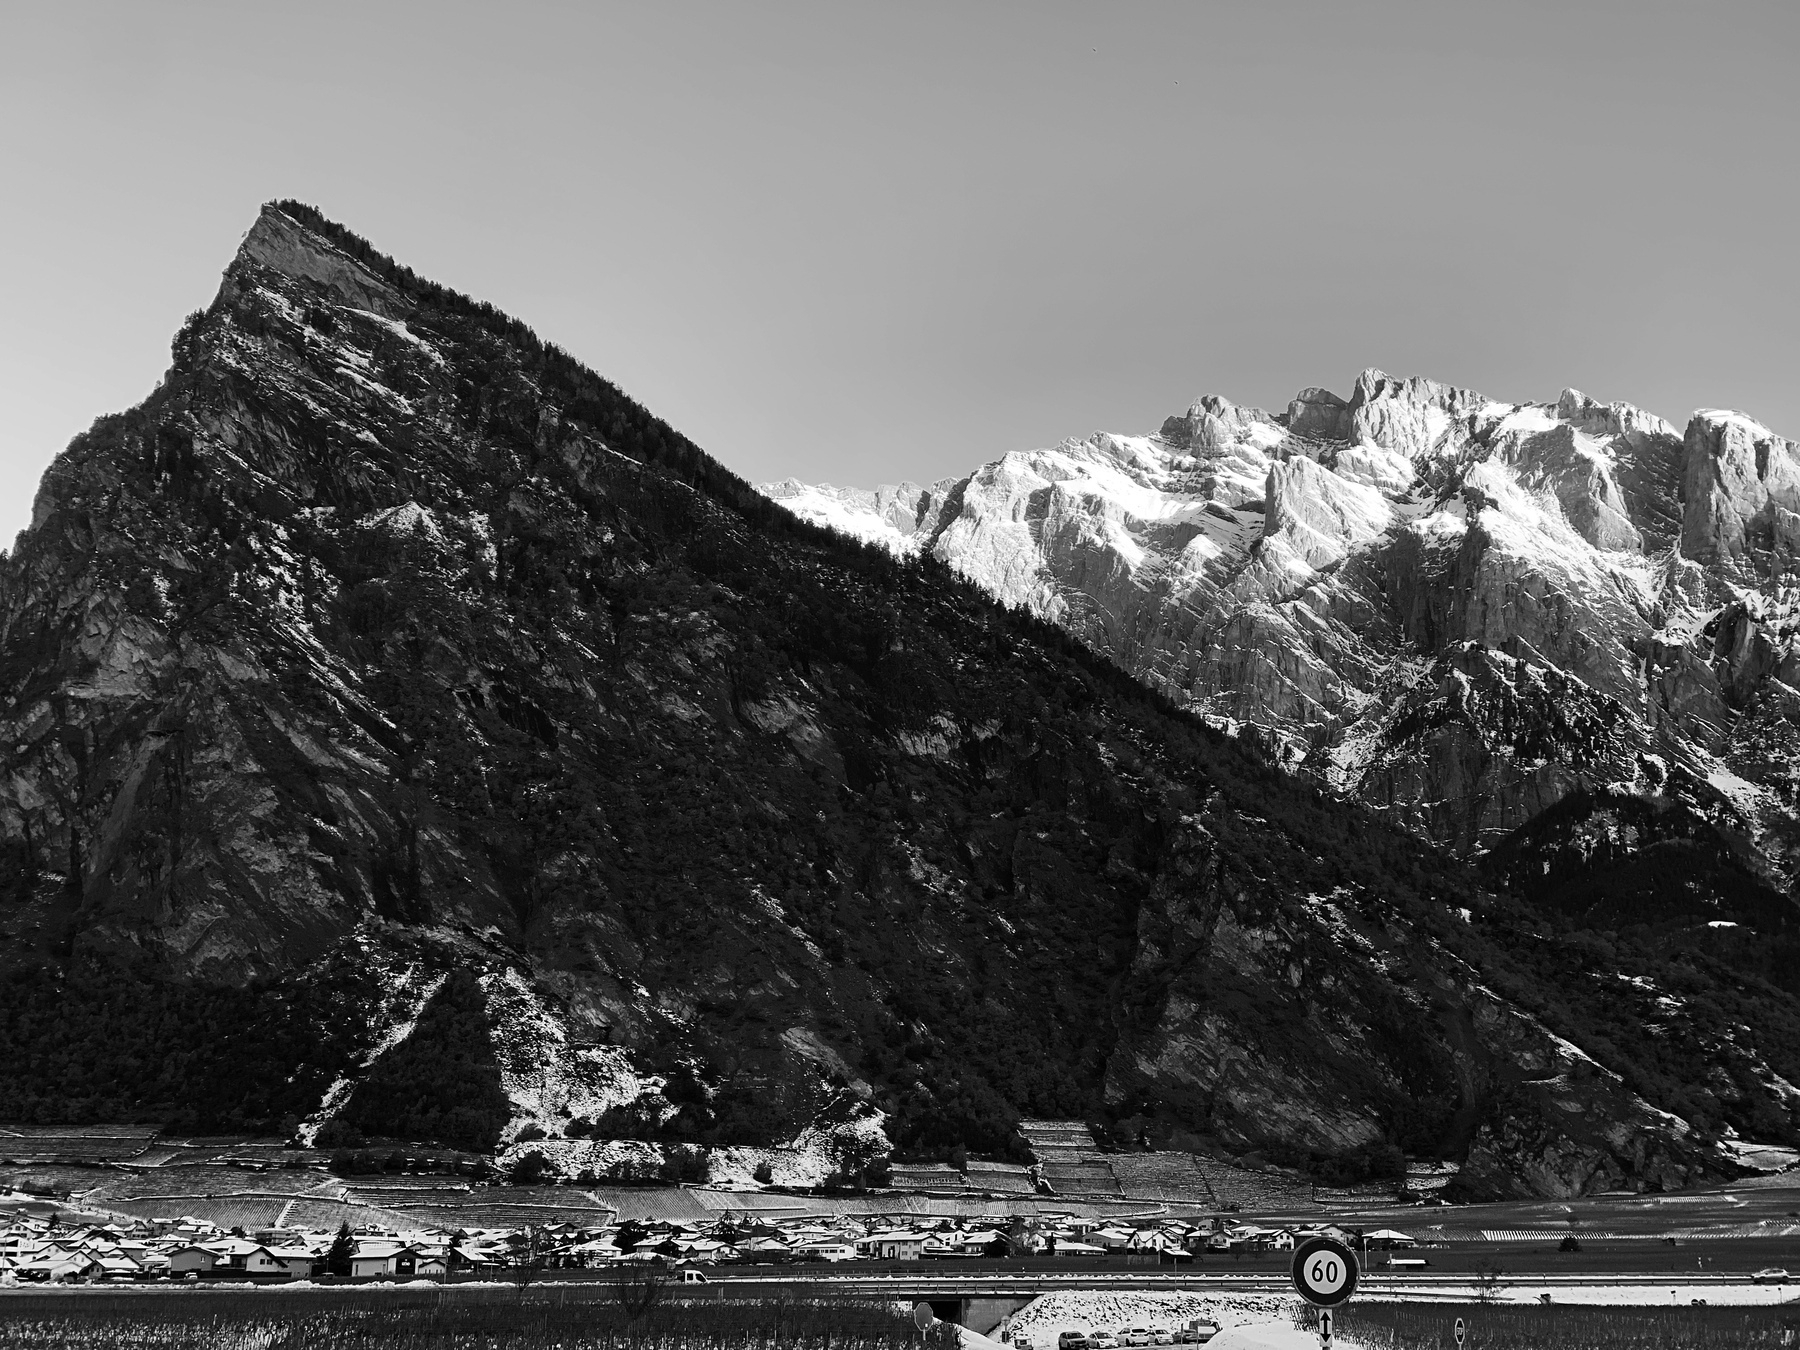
point(1324, 1274)
point(1461, 1331)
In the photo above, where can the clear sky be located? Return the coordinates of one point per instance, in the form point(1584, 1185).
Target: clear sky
point(855, 242)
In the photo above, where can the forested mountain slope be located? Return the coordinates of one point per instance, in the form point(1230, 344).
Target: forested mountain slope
point(404, 729)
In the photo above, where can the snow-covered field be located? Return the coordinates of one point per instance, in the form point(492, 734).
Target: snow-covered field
point(1048, 1317)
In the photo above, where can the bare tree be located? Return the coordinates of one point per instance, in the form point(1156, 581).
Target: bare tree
point(638, 1286)
point(532, 1260)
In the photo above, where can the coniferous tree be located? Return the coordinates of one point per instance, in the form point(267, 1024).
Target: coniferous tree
point(343, 1247)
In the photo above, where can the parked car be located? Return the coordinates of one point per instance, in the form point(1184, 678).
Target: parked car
point(1161, 1336)
point(1072, 1340)
point(1136, 1336)
point(1102, 1340)
point(691, 1276)
point(1770, 1275)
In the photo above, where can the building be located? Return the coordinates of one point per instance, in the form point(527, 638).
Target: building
point(371, 1260)
point(894, 1245)
point(193, 1260)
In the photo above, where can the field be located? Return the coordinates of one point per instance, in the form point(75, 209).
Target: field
point(1404, 1326)
point(595, 1318)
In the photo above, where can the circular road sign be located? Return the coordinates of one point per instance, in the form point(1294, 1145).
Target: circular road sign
point(1324, 1271)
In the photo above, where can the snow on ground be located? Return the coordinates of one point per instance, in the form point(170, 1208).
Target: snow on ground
point(1046, 1318)
point(549, 1080)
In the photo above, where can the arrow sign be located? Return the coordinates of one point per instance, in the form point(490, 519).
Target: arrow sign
point(1324, 1272)
point(1460, 1331)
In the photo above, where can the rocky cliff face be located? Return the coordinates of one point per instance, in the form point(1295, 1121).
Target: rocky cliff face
point(1456, 611)
point(405, 731)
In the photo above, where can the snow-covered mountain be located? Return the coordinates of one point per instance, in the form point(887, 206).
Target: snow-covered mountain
point(1459, 611)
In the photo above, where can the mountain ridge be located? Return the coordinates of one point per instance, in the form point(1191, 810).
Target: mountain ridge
point(1295, 574)
point(384, 641)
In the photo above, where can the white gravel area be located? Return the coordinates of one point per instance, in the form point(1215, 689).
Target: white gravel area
point(1046, 1318)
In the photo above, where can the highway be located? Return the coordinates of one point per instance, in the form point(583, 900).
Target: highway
point(988, 1284)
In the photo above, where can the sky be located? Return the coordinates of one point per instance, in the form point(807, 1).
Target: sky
point(855, 243)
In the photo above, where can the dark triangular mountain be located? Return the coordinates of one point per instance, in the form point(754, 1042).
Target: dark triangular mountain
point(384, 641)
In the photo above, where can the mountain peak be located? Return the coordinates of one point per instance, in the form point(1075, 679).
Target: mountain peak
point(283, 244)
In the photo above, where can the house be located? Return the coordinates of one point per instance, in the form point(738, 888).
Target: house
point(473, 1258)
point(415, 1261)
point(894, 1244)
point(118, 1266)
point(62, 1267)
point(259, 1260)
point(193, 1259)
point(825, 1250)
point(708, 1250)
point(296, 1261)
point(372, 1259)
point(978, 1241)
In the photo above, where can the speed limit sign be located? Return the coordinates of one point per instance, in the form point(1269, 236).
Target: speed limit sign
point(1324, 1272)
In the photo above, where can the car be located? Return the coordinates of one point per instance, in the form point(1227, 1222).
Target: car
point(1199, 1333)
point(691, 1276)
point(1161, 1336)
point(1072, 1340)
point(1770, 1275)
point(1102, 1340)
point(1136, 1336)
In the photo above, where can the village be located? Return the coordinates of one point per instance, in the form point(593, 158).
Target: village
point(38, 1247)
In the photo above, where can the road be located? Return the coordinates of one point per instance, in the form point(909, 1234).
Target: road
point(910, 1285)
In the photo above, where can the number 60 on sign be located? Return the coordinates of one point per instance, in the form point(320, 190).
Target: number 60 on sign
point(1324, 1272)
